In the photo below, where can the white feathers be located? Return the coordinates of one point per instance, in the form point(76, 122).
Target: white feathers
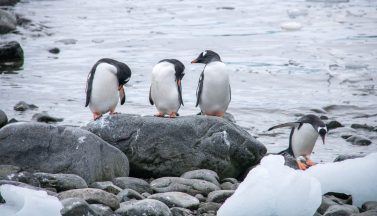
point(320, 128)
point(204, 53)
point(303, 140)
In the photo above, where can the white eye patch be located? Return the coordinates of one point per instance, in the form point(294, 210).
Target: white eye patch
point(204, 53)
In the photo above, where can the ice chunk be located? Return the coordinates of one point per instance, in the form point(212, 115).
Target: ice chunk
point(274, 189)
point(356, 177)
point(291, 26)
point(25, 202)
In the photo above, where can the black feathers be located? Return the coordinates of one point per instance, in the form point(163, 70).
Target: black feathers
point(200, 88)
point(179, 73)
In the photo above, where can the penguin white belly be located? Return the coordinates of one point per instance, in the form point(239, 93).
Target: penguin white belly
point(105, 94)
point(215, 96)
point(164, 90)
point(303, 140)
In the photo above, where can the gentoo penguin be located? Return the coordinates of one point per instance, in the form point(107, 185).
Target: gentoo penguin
point(105, 85)
point(303, 137)
point(166, 88)
point(213, 94)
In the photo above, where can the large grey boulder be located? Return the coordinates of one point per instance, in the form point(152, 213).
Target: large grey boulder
point(158, 147)
point(76, 206)
point(11, 55)
point(58, 149)
point(61, 182)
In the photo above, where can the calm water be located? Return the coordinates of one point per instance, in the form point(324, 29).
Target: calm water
point(276, 75)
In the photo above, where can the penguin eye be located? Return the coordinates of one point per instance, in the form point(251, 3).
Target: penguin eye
point(322, 130)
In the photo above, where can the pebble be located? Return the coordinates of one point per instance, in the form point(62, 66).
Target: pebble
point(23, 106)
point(45, 117)
point(129, 194)
point(219, 196)
point(61, 182)
point(203, 174)
point(136, 184)
point(176, 199)
point(144, 207)
point(107, 186)
point(75, 206)
point(358, 140)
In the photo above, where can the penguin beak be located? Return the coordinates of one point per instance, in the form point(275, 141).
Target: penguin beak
point(122, 95)
point(323, 138)
point(194, 61)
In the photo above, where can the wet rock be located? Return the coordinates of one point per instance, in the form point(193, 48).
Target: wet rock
point(346, 157)
point(333, 125)
point(176, 199)
point(339, 198)
point(54, 50)
point(23, 106)
point(176, 211)
point(320, 111)
point(364, 126)
point(345, 136)
point(67, 41)
point(92, 196)
point(358, 140)
point(60, 182)
point(209, 207)
point(219, 196)
point(169, 147)
point(372, 212)
point(24, 185)
point(129, 194)
point(145, 207)
point(228, 186)
point(190, 186)
point(12, 120)
point(76, 206)
point(3, 119)
point(102, 210)
point(8, 2)
point(11, 55)
point(24, 177)
point(369, 205)
point(290, 161)
point(200, 197)
point(203, 174)
point(8, 22)
point(136, 184)
point(57, 149)
point(45, 117)
point(325, 204)
point(341, 210)
point(107, 186)
point(6, 170)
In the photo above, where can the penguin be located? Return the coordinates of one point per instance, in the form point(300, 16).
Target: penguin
point(304, 134)
point(165, 91)
point(213, 93)
point(104, 86)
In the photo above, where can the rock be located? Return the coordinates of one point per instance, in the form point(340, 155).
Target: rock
point(145, 207)
point(200, 197)
point(228, 186)
point(364, 126)
point(136, 184)
point(219, 196)
point(333, 125)
point(24, 185)
point(325, 204)
point(24, 177)
point(203, 174)
point(290, 161)
point(160, 147)
point(176, 211)
point(92, 196)
point(369, 205)
point(146, 194)
point(128, 203)
point(58, 149)
point(3, 119)
point(128, 194)
point(341, 210)
point(176, 199)
point(76, 206)
point(231, 180)
point(23, 106)
point(11, 55)
point(8, 2)
point(345, 136)
point(359, 140)
point(372, 212)
point(209, 207)
point(61, 182)
point(339, 198)
point(45, 117)
point(346, 157)
point(101, 210)
point(54, 50)
point(190, 186)
point(8, 22)
point(6, 170)
point(107, 186)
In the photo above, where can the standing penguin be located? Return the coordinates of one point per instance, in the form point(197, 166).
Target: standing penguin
point(105, 86)
point(166, 87)
point(303, 137)
point(213, 94)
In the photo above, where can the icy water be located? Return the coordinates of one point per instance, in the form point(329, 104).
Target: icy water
point(276, 75)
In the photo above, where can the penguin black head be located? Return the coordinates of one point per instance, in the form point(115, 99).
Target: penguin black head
point(317, 124)
point(207, 57)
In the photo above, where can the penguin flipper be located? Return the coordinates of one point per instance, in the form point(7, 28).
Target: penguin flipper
point(150, 96)
point(179, 86)
point(288, 124)
point(199, 89)
point(89, 84)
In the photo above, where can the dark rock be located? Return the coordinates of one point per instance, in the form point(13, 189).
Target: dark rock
point(136, 184)
point(176, 199)
point(3, 119)
point(58, 149)
point(23, 106)
point(369, 205)
point(8, 2)
point(169, 147)
point(346, 157)
point(203, 174)
point(102, 210)
point(54, 50)
point(190, 186)
point(129, 194)
point(359, 140)
point(8, 22)
point(92, 196)
point(339, 198)
point(20, 184)
point(364, 126)
point(24, 177)
point(323, 117)
point(107, 186)
point(6, 170)
point(145, 207)
point(229, 186)
point(333, 124)
point(341, 210)
point(76, 206)
point(209, 207)
point(345, 136)
point(290, 161)
point(219, 196)
point(372, 212)
point(200, 197)
point(176, 211)
point(231, 180)
point(11, 55)
point(61, 182)
point(45, 117)
point(325, 204)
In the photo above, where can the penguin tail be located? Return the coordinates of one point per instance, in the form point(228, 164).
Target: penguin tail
point(286, 151)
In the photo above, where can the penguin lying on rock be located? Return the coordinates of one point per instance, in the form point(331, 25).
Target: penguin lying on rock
point(303, 137)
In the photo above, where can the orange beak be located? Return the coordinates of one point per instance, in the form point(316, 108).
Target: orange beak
point(194, 61)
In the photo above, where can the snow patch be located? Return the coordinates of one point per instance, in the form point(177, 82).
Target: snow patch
point(291, 26)
point(225, 137)
point(137, 134)
point(81, 139)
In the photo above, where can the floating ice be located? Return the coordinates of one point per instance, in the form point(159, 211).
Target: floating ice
point(25, 202)
point(291, 26)
point(274, 189)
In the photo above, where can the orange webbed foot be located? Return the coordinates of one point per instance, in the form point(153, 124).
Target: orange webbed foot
point(159, 114)
point(172, 115)
point(96, 116)
point(301, 165)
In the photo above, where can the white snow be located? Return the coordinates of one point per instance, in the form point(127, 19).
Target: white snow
point(81, 139)
point(291, 26)
point(274, 189)
point(25, 202)
point(225, 137)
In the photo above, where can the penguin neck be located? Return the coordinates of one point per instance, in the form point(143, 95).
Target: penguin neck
point(213, 59)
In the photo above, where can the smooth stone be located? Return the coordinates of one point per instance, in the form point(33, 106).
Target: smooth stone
point(128, 203)
point(23, 106)
point(231, 180)
point(203, 174)
point(11, 55)
point(145, 207)
point(136, 184)
point(76, 206)
point(24, 185)
point(146, 194)
point(8, 22)
point(177, 211)
point(369, 205)
point(228, 186)
point(107, 186)
point(3, 119)
point(341, 210)
point(45, 117)
point(59, 149)
point(54, 50)
point(176, 199)
point(219, 196)
point(325, 204)
point(61, 182)
point(333, 125)
point(372, 212)
point(24, 177)
point(190, 186)
point(101, 210)
point(339, 198)
point(200, 197)
point(92, 196)
point(209, 207)
point(129, 194)
point(159, 147)
point(359, 140)
point(346, 157)
point(364, 126)
point(6, 170)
